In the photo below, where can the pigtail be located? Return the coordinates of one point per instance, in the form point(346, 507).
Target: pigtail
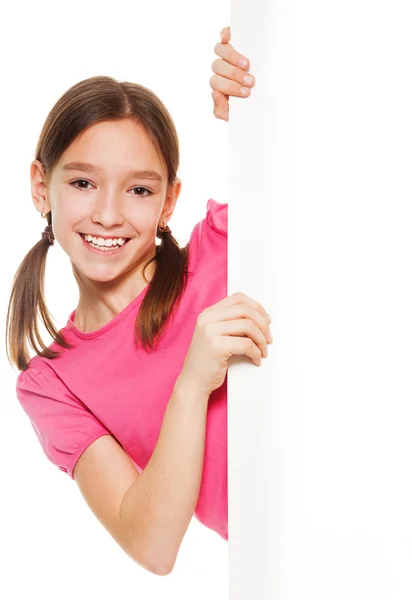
point(165, 290)
point(27, 303)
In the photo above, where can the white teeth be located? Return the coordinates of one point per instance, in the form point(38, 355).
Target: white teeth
point(102, 242)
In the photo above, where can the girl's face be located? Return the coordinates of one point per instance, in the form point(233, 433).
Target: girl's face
point(114, 196)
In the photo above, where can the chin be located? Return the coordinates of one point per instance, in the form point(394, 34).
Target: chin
point(102, 273)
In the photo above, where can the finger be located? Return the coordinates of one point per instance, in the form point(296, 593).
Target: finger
point(225, 35)
point(228, 87)
point(239, 305)
point(228, 53)
point(221, 105)
point(246, 311)
point(240, 297)
point(243, 328)
point(221, 67)
point(243, 346)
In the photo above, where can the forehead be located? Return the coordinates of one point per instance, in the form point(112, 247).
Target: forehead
point(124, 143)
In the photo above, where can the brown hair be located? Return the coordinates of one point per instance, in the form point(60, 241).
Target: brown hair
point(88, 102)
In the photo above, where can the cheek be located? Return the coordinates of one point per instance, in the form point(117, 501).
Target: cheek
point(144, 223)
point(68, 213)
point(65, 225)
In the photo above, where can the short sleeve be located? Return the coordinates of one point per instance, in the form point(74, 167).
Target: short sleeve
point(208, 241)
point(216, 216)
point(63, 424)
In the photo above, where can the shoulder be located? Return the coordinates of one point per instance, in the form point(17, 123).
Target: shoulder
point(31, 378)
point(209, 236)
point(37, 373)
point(216, 216)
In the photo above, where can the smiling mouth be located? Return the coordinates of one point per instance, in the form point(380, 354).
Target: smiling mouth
point(104, 247)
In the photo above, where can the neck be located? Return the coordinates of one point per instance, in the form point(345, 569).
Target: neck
point(99, 302)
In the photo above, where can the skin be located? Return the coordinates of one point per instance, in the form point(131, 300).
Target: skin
point(110, 204)
point(113, 203)
point(228, 79)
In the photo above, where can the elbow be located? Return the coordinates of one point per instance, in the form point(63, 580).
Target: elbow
point(154, 569)
point(163, 572)
point(163, 569)
point(152, 563)
point(160, 570)
point(141, 548)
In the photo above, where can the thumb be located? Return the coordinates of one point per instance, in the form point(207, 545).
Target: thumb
point(221, 101)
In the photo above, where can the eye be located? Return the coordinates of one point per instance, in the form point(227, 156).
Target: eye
point(73, 183)
point(142, 188)
point(77, 181)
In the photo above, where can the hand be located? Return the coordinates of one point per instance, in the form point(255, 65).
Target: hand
point(228, 80)
point(235, 325)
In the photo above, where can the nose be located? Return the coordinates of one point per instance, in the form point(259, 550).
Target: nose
point(107, 210)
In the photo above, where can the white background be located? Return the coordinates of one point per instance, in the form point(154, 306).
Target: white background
point(320, 187)
point(51, 544)
point(320, 231)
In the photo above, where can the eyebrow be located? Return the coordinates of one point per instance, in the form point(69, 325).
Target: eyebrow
point(89, 168)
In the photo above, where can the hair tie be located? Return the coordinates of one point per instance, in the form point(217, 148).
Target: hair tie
point(48, 233)
point(161, 232)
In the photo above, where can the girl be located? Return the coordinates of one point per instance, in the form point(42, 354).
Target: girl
point(130, 398)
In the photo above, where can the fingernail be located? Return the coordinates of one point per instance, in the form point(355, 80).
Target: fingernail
point(242, 63)
point(248, 79)
point(244, 91)
point(269, 317)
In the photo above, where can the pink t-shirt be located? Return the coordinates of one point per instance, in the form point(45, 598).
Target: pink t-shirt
point(105, 385)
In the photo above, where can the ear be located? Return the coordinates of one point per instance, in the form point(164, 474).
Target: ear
point(170, 201)
point(38, 187)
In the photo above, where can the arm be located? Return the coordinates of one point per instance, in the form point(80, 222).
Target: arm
point(160, 505)
point(148, 514)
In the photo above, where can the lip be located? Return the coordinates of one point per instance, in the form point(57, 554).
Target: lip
point(105, 237)
point(103, 252)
